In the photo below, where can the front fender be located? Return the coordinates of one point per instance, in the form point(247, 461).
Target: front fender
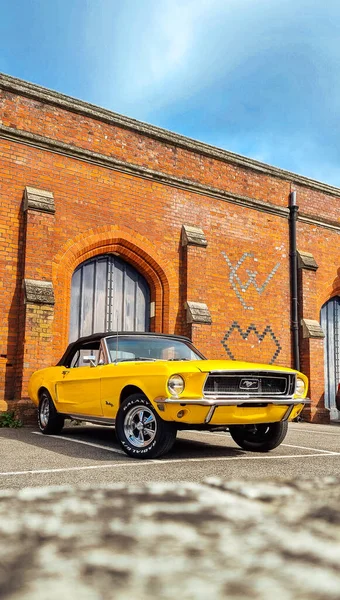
point(37, 381)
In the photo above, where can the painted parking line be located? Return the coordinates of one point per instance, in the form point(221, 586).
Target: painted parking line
point(307, 448)
point(118, 451)
point(303, 430)
point(76, 441)
point(161, 462)
point(292, 446)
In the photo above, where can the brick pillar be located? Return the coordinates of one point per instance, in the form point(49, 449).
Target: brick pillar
point(312, 339)
point(198, 317)
point(37, 298)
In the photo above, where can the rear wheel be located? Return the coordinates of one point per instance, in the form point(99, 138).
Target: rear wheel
point(259, 438)
point(140, 431)
point(49, 421)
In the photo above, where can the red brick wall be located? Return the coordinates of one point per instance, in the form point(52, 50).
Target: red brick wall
point(58, 124)
point(242, 275)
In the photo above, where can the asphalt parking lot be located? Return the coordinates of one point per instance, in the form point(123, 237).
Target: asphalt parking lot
point(91, 455)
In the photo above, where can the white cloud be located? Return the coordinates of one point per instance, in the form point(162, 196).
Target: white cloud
point(152, 51)
point(259, 78)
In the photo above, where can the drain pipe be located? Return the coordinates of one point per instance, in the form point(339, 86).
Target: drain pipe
point(293, 214)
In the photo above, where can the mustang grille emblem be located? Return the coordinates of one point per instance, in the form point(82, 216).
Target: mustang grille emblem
point(249, 384)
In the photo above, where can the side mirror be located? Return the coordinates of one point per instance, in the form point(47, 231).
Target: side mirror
point(90, 359)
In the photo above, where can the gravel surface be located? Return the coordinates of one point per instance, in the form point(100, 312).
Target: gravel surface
point(250, 539)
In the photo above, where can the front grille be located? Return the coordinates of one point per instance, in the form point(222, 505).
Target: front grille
point(249, 384)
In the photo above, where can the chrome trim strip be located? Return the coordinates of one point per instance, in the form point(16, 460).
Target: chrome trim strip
point(262, 398)
point(288, 413)
point(105, 350)
point(91, 419)
point(233, 401)
point(210, 414)
point(261, 371)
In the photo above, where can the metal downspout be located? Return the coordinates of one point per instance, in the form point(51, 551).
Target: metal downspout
point(293, 214)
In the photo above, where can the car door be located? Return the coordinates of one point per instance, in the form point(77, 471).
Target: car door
point(78, 390)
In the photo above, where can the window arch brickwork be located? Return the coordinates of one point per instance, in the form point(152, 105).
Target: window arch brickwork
point(131, 247)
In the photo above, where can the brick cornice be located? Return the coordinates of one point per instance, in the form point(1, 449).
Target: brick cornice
point(108, 162)
point(41, 94)
point(44, 143)
point(320, 222)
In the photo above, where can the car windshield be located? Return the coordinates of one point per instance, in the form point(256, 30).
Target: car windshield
point(150, 348)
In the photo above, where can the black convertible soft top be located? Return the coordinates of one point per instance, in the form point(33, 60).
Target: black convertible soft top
point(96, 337)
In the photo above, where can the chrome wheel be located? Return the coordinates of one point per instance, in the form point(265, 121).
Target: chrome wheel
point(44, 412)
point(140, 426)
point(140, 431)
point(49, 420)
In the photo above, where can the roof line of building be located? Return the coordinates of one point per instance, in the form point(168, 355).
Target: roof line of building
point(108, 162)
point(41, 94)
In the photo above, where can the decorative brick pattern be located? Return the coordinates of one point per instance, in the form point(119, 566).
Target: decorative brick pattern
point(245, 335)
point(240, 286)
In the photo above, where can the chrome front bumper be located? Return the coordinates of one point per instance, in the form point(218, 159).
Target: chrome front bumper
point(218, 401)
point(214, 402)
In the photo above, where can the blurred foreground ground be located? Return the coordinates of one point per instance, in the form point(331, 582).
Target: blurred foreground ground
point(213, 540)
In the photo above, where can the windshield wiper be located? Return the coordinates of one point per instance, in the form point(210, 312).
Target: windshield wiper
point(178, 359)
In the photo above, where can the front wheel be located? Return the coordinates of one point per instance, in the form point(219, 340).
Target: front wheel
point(49, 421)
point(259, 438)
point(140, 431)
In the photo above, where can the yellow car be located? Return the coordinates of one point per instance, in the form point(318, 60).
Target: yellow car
point(151, 385)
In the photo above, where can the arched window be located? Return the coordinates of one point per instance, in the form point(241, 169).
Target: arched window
point(108, 294)
point(330, 323)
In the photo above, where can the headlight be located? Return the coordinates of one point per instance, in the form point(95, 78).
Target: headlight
point(300, 387)
point(176, 385)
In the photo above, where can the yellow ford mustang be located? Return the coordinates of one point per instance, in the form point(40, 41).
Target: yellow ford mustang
point(151, 385)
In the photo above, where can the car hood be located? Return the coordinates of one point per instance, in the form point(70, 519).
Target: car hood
point(206, 366)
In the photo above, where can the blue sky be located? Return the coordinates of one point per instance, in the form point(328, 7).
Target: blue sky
point(258, 77)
